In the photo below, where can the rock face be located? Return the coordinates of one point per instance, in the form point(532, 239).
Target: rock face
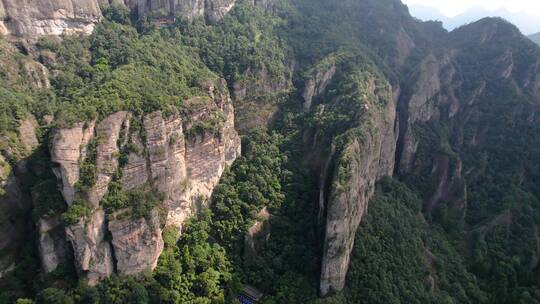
point(317, 83)
point(34, 18)
point(108, 134)
point(11, 227)
point(211, 10)
point(257, 82)
point(53, 246)
point(174, 155)
point(92, 252)
point(137, 243)
point(423, 104)
point(366, 157)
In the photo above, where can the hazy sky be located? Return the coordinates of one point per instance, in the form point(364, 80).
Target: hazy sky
point(454, 7)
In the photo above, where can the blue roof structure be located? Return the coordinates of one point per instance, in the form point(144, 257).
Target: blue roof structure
point(245, 300)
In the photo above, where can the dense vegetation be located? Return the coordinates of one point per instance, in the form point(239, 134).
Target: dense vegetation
point(405, 251)
point(117, 68)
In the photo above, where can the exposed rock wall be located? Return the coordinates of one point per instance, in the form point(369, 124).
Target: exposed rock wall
point(67, 151)
point(211, 10)
point(436, 73)
point(257, 235)
point(92, 252)
point(316, 84)
point(33, 18)
point(107, 151)
point(137, 243)
point(367, 156)
point(53, 245)
point(256, 82)
point(170, 155)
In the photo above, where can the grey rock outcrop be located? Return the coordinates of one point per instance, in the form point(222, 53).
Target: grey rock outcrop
point(107, 151)
point(257, 84)
point(170, 155)
point(68, 149)
point(53, 245)
point(137, 243)
point(211, 10)
point(259, 81)
point(423, 105)
point(366, 157)
point(316, 84)
point(31, 19)
point(12, 202)
point(92, 252)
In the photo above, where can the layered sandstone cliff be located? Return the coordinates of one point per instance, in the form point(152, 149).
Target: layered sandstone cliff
point(178, 157)
point(211, 10)
point(365, 154)
point(31, 19)
point(34, 18)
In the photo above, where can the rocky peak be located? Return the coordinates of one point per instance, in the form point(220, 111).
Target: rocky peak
point(486, 30)
point(68, 149)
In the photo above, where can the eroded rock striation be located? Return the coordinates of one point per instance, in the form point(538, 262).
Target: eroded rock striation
point(92, 252)
point(212, 11)
point(30, 19)
point(364, 156)
point(137, 243)
point(178, 157)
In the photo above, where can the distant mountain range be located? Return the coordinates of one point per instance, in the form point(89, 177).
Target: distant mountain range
point(535, 38)
point(527, 23)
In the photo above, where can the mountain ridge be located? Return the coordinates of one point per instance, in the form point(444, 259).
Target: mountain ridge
point(527, 23)
point(535, 38)
point(137, 189)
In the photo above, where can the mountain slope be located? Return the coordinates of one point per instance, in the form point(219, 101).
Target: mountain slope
point(384, 159)
point(535, 38)
point(527, 23)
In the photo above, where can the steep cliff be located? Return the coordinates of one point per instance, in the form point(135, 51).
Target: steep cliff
point(179, 158)
point(34, 18)
point(210, 10)
point(318, 78)
point(31, 19)
point(365, 154)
